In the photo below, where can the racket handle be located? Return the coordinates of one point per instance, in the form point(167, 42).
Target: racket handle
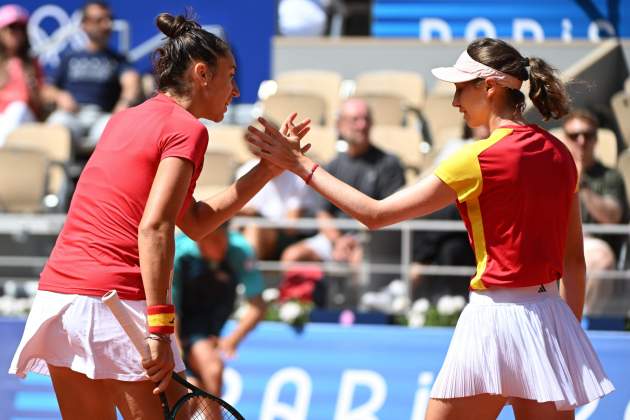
point(135, 334)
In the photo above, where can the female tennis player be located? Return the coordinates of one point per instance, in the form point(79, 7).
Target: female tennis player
point(119, 234)
point(517, 341)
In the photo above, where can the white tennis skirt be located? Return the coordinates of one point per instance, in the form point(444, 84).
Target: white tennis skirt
point(80, 333)
point(523, 343)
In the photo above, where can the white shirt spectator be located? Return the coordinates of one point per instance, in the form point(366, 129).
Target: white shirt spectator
point(284, 193)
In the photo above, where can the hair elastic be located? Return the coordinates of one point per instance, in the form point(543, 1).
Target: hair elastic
point(310, 175)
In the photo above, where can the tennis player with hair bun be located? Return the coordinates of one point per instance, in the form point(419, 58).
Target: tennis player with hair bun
point(519, 340)
point(119, 234)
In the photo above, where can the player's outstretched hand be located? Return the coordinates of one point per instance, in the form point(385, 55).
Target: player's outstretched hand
point(280, 149)
point(288, 129)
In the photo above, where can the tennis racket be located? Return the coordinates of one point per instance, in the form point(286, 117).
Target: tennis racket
point(196, 404)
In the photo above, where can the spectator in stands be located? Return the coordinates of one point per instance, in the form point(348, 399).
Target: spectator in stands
point(284, 197)
point(206, 274)
point(21, 77)
point(444, 247)
point(363, 166)
point(91, 84)
point(603, 200)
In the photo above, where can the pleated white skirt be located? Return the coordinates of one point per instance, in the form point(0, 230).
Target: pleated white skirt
point(80, 333)
point(524, 343)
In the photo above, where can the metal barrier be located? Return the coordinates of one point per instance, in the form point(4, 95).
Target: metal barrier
point(21, 226)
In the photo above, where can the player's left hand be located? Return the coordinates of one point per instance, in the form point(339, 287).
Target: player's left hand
point(289, 130)
point(271, 144)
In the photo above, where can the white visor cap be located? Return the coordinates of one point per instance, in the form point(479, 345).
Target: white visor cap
point(467, 69)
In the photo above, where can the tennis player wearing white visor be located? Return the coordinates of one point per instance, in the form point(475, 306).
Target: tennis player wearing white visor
point(518, 341)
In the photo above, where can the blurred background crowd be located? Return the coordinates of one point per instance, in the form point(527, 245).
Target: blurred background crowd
point(360, 70)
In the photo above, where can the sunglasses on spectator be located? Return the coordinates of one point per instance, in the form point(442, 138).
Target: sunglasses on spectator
point(588, 135)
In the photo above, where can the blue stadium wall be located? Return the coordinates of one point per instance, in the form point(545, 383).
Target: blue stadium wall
point(327, 372)
point(248, 25)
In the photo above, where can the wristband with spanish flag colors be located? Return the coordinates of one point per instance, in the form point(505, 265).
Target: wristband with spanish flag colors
point(161, 319)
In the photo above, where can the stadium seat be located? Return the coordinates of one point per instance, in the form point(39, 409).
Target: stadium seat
point(230, 137)
point(623, 166)
point(218, 172)
point(322, 83)
point(277, 107)
point(323, 142)
point(403, 142)
point(386, 109)
point(55, 142)
point(405, 84)
point(440, 115)
point(620, 104)
point(605, 149)
point(23, 176)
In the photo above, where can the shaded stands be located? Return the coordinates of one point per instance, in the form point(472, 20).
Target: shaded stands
point(396, 99)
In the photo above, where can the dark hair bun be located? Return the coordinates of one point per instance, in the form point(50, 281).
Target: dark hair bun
point(172, 26)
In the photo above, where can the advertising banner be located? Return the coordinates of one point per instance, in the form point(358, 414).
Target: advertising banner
point(329, 372)
point(536, 20)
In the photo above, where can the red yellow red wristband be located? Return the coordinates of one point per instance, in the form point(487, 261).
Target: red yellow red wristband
point(161, 319)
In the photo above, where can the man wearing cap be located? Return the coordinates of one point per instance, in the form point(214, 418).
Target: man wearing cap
point(91, 84)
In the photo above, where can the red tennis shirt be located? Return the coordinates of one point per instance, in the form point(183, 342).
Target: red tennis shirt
point(514, 191)
point(97, 249)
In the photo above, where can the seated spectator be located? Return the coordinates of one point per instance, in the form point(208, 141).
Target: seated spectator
point(21, 77)
point(91, 84)
point(365, 167)
point(603, 199)
point(284, 197)
point(205, 278)
point(440, 248)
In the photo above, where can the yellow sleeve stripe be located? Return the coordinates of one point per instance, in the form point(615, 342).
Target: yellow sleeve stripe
point(467, 185)
point(462, 171)
point(479, 239)
point(161, 320)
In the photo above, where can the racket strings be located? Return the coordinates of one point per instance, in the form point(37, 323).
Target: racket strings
point(203, 408)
